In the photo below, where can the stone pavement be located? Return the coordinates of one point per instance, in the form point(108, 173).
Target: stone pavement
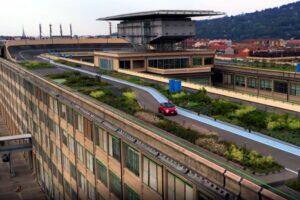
point(23, 185)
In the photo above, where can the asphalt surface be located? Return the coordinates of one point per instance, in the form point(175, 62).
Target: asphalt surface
point(290, 161)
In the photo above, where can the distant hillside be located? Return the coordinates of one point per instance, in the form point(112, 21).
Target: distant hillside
point(282, 22)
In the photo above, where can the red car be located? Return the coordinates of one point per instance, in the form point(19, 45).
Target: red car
point(167, 109)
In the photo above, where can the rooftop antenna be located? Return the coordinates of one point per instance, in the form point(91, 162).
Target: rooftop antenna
point(40, 29)
point(50, 30)
point(110, 29)
point(71, 30)
point(23, 33)
point(61, 31)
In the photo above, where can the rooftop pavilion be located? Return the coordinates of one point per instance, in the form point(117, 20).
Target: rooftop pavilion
point(169, 63)
point(160, 29)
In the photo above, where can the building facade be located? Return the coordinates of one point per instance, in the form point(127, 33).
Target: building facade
point(80, 156)
point(88, 150)
point(192, 64)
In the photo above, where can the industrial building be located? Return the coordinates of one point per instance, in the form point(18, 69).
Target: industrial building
point(154, 36)
point(85, 149)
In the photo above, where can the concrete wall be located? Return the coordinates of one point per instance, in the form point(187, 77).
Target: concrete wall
point(64, 41)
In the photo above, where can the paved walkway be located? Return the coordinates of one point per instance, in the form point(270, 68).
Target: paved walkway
point(23, 186)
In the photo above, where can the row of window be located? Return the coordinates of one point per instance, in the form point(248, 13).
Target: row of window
point(176, 63)
point(152, 172)
point(266, 84)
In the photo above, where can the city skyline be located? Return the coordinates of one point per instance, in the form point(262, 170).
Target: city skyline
point(32, 13)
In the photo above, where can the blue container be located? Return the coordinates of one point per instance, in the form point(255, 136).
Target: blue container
point(298, 67)
point(174, 86)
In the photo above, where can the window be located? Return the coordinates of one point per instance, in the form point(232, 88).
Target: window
point(130, 194)
point(115, 184)
point(80, 155)
point(56, 130)
point(197, 61)
point(89, 161)
point(82, 182)
point(132, 160)
point(101, 172)
point(106, 64)
point(178, 189)
point(101, 138)
point(69, 115)
point(67, 188)
point(79, 122)
point(91, 192)
point(280, 87)
point(55, 106)
point(169, 63)
point(295, 89)
point(152, 175)
point(71, 144)
point(208, 61)
point(73, 171)
point(251, 82)
point(58, 153)
point(240, 81)
point(66, 163)
point(87, 128)
point(114, 147)
point(124, 64)
point(266, 84)
point(63, 111)
point(64, 136)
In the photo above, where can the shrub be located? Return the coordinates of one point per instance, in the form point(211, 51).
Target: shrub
point(293, 124)
point(222, 107)
point(294, 184)
point(244, 110)
point(235, 154)
point(130, 95)
point(254, 120)
point(97, 94)
point(179, 95)
point(33, 65)
point(178, 130)
point(212, 144)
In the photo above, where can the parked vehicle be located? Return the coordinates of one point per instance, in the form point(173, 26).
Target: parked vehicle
point(168, 109)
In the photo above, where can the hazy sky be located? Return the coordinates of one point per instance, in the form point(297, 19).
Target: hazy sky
point(83, 13)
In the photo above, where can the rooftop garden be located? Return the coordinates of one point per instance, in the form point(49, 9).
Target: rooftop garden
point(249, 159)
point(281, 126)
point(125, 100)
point(265, 65)
point(34, 65)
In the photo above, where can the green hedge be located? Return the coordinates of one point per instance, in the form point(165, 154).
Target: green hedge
point(294, 184)
point(122, 99)
point(34, 65)
point(250, 160)
point(283, 127)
